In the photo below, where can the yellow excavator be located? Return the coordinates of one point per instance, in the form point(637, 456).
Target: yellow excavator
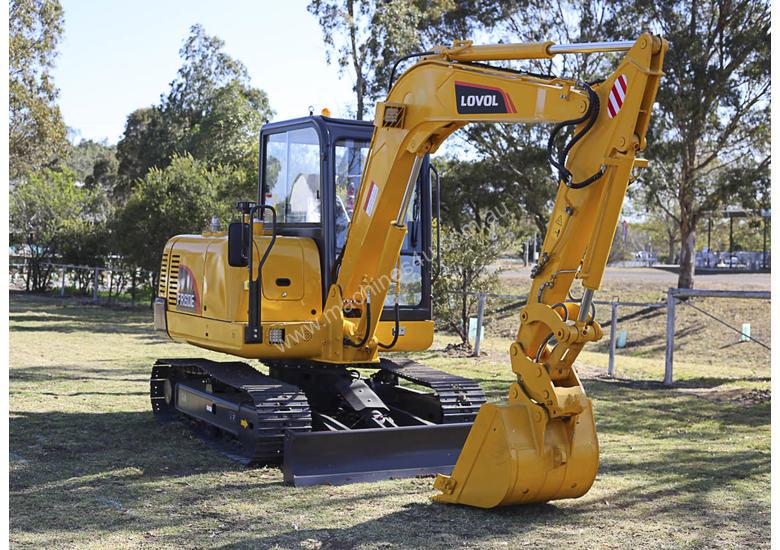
point(328, 275)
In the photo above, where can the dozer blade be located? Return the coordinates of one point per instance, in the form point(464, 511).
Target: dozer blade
point(353, 456)
point(515, 454)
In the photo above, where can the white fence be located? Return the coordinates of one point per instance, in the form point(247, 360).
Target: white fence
point(102, 278)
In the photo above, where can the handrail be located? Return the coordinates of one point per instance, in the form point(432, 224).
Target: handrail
point(254, 331)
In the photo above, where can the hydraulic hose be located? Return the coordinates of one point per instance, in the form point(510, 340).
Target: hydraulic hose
point(397, 329)
point(399, 61)
point(559, 162)
point(362, 342)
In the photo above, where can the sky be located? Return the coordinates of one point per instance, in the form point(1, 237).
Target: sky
point(117, 56)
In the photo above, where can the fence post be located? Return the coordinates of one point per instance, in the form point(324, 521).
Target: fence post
point(612, 338)
point(95, 290)
point(480, 318)
point(62, 282)
point(670, 302)
point(132, 290)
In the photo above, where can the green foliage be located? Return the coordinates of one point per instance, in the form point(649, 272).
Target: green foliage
point(516, 170)
point(82, 157)
point(180, 198)
point(467, 255)
point(517, 153)
point(479, 194)
point(662, 234)
point(566, 22)
point(145, 144)
point(94, 163)
point(36, 132)
point(205, 70)
point(227, 134)
point(748, 233)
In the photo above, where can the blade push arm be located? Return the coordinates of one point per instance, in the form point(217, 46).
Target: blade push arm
point(441, 94)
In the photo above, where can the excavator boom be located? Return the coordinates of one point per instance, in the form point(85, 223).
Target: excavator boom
point(540, 444)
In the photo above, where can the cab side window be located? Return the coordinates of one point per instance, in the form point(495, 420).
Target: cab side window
point(292, 175)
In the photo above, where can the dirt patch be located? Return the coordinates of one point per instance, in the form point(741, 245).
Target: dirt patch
point(741, 396)
point(458, 350)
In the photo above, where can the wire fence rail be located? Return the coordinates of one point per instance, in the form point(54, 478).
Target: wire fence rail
point(104, 278)
point(675, 297)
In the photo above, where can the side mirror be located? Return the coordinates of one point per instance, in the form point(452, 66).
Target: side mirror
point(238, 244)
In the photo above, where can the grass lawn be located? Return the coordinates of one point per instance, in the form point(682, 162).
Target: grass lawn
point(681, 467)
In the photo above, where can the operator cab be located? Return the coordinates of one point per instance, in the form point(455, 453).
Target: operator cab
point(310, 172)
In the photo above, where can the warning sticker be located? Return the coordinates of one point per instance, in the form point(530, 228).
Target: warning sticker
point(617, 95)
point(371, 197)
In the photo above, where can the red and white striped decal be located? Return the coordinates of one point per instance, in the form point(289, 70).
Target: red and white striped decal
point(617, 95)
point(373, 192)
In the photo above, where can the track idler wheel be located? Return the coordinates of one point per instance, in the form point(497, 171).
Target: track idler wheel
point(161, 392)
point(515, 453)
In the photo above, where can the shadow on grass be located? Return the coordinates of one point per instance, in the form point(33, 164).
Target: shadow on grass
point(681, 483)
point(81, 461)
point(60, 447)
point(79, 323)
point(56, 373)
point(699, 382)
point(34, 313)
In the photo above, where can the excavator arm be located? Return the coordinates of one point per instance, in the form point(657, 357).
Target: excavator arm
point(540, 444)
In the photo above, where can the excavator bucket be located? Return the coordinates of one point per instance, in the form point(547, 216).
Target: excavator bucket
point(516, 454)
point(353, 456)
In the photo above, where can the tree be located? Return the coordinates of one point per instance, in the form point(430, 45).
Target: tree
point(227, 134)
point(663, 235)
point(519, 152)
point(476, 194)
point(368, 36)
point(519, 177)
point(205, 69)
point(146, 143)
point(466, 259)
point(710, 137)
point(81, 158)
point(41, 207)
point(94, 163)
point(36, 131)
point(84, 241)
point(211, 112)
point(180, 198)
point(211, 105)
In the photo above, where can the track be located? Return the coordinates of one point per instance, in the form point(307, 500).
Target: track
point(255, 409)
point(249, 416)
point(459, 398)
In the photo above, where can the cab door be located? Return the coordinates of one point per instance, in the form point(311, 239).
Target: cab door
point(411, 286)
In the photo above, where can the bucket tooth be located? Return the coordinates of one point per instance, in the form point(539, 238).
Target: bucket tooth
point(516, 454)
